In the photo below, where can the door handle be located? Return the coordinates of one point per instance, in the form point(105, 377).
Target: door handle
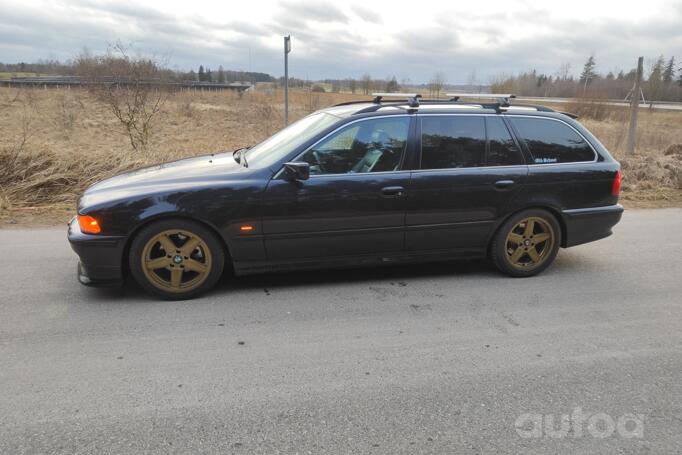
point(393, 191)
point(504, 184)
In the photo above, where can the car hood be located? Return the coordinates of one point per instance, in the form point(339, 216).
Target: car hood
point(172, 176)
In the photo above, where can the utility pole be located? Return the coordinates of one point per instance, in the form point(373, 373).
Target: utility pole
point(634, 108)
point(287, 49)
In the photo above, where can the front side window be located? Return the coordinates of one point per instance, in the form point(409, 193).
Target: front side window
point(551, 141)
point(374, 145)
point(279, 145)
point(453, 141)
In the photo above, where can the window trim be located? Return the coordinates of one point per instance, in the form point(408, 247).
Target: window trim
point(340, 127)
point(517, 139)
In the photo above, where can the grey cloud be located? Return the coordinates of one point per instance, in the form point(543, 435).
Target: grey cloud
point(366, 14)
point(313, 10)
point(341, 50)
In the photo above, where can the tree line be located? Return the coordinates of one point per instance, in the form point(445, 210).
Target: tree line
point(662, 81)
point(204, 74)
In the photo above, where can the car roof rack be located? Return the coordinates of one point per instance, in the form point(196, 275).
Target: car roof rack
point(414, 100)
point(502, 98)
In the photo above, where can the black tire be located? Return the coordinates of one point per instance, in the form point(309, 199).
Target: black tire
point(208, 254)
point(503, 250)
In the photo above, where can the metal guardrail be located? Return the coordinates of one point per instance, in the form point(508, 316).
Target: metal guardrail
point(668, 105)
point(75, 81)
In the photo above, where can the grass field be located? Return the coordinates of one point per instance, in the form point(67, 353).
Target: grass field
point(54, 143)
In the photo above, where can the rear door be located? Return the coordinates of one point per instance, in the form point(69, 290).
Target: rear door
point(469, 171)
point(565, 170)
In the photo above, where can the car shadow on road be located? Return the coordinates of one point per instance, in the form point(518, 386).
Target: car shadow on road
point(131, 291)
point(400, 274)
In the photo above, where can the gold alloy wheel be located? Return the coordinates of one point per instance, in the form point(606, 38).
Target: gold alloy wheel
point(529, 243)
point(176, 261)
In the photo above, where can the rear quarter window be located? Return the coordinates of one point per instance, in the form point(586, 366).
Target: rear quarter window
point(552, 141)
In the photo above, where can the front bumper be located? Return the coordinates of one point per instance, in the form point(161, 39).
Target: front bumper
point(101, 257)
point(590, 224)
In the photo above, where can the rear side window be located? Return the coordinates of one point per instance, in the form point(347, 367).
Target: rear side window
point(453, 141)
point(551, 141)
point(502, 150)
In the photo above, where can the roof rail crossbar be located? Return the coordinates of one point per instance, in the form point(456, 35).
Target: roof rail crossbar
point(412, 98)
point(537, 107)
point(502, 98)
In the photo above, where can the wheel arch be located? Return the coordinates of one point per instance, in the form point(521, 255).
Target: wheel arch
point(169, 216)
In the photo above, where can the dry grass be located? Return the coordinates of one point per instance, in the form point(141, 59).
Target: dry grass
point(54, 143)
point(653, 176)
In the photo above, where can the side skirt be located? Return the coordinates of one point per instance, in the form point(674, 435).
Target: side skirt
point(345, 262)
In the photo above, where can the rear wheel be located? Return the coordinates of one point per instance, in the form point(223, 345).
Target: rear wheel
point(527, 243)
point(176, 259)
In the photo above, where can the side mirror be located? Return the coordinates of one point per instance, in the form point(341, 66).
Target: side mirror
point(297, 170)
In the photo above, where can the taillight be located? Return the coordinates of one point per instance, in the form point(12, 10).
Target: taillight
point(615, 188)
point(88, 224)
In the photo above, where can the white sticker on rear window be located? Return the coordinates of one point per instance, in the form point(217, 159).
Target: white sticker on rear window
point(545, 160)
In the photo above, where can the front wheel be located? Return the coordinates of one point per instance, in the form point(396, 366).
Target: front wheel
point(526, 244)
point(176, 259)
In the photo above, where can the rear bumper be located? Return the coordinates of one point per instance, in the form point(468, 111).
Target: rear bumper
point(101, 257)
point(590, 224)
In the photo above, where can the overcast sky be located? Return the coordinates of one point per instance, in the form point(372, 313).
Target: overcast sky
point(411, 40)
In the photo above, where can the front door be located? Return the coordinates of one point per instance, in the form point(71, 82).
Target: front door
point(352, 205)
point(470, 170)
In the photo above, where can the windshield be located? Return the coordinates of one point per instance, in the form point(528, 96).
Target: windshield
point(277, 146)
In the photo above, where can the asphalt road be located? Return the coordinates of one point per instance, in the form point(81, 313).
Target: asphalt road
point(445, 358)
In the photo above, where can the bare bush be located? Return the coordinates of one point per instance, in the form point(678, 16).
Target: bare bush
point(436, 84)
point(67, 113)
point(133, 88)
point(31, 179)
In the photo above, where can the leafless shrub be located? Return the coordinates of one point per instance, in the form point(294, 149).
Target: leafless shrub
point(67, 113)
point(10, 156)
point(436, 84)
point(37, 178)
point(133, 88)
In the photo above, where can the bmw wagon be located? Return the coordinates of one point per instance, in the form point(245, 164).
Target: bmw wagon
point(391, 180)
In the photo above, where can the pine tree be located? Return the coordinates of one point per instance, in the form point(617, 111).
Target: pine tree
point(588, 71)
point(221, 74)
point(202, 73)
point(655, 81)
point(669, 72)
